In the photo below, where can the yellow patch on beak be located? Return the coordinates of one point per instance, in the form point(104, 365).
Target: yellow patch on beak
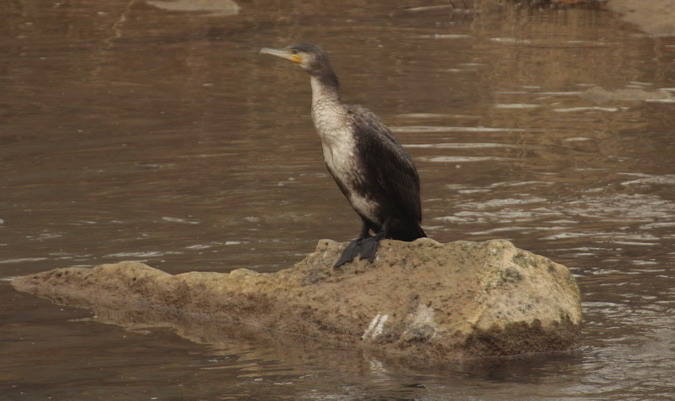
point(282, 53)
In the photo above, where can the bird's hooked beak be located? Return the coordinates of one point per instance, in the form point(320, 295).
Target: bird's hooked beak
point(283, 53)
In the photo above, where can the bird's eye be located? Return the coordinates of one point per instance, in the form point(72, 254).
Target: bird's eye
point(293, 51)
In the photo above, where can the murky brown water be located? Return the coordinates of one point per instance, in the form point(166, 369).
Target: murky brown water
point(132, 132)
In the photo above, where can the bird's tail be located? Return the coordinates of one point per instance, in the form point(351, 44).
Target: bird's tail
point(406, 231)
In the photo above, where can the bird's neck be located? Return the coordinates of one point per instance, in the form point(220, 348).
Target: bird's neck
point(328, 114)
point(325, 87)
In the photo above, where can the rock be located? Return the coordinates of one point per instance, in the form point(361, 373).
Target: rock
point(601, 95)
point(214, 8)
point(654, 17)
point(421, 299)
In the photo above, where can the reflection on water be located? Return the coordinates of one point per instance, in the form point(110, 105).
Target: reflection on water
point(146, 131)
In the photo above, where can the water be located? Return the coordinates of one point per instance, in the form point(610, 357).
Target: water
point(130, 131)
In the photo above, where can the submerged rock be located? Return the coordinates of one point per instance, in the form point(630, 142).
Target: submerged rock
point(420, 299)
point(601, 95)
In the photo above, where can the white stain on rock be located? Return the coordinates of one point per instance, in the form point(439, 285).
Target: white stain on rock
point(376, 327)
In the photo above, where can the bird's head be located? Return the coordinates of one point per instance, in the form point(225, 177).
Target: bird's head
point(308, 56)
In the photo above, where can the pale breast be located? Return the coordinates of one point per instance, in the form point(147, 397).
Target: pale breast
point(341, 155)
point(339, 145)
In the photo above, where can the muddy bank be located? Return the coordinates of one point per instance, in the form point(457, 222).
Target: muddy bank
point(422, 299)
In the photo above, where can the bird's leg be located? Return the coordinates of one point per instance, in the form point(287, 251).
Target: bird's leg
point(368, 248)
point(365, 230)
point(352, 250)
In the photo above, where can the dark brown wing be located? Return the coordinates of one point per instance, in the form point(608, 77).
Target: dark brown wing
point(387, 163)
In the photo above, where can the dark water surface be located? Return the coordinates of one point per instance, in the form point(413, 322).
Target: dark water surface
point(129, 131)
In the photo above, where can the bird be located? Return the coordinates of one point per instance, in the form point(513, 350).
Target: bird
point(371, 168)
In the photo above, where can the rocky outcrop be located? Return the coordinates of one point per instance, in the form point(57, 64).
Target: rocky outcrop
point(422, 299)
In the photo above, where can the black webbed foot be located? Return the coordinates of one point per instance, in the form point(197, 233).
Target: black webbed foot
point(368, 248)
point(364, 248)
point(350, 252)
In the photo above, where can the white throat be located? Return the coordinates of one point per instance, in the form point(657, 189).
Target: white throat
point(321, 93)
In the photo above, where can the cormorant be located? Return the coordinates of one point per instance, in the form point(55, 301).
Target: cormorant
point(374, 173)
